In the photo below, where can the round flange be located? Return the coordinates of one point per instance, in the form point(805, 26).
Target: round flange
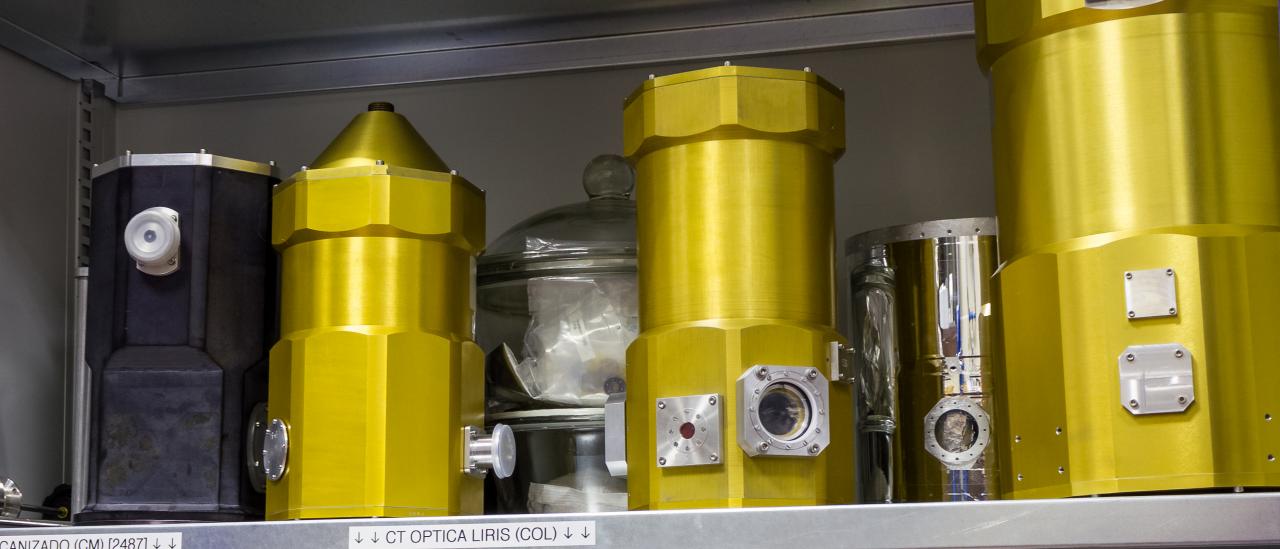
point(275, 450)
point(966, 427)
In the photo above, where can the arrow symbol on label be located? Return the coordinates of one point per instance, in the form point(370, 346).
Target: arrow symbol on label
point(374, 538)
point(172, 544)
point(157, 545)
point(584, 532)
point(567, 533)
point(358, 538)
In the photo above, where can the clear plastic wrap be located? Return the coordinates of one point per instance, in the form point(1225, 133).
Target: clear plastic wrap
point(575, 349)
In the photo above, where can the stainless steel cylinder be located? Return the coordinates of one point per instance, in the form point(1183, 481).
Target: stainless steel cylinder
point(922, 333)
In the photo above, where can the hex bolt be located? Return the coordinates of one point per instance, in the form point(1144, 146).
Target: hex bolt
point(662, 461)
point(763, 447)
point(714, 458)
point(762, 372)
point(814, 449)
point(712, 401)
point(1178, 353)
point(1133, 403)
point(1129, 357)
point(662, 405)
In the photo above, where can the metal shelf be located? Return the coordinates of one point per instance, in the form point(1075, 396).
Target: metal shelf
point(1161, 521)
point(155, 51)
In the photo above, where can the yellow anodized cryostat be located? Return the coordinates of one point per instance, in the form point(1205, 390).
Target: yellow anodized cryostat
point(376, 391)
point(1138, 192)
point(731, 400)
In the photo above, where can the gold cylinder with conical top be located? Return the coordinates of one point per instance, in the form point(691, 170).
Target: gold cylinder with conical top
point(1138, 192)
point(376, 374)
point(729, 402)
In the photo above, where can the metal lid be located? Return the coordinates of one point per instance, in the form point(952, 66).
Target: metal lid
point(202, 158)
point(598, 235)
point(550, 418)
point(943, 228)
point(380, 135)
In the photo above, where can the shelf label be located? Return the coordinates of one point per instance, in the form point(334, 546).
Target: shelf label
point(149, 540)
point(476, 535)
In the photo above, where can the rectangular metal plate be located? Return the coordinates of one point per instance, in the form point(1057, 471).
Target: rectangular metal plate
point(1150, 293)
point(689, 430)
point(1156, 379)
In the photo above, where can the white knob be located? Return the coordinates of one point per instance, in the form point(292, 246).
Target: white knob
point(153, 239)
point(495, 451)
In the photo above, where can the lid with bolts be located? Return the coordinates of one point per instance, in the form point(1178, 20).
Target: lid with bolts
point(597, 233)
point(379, 135)
point(871, 243)
point(199, 158)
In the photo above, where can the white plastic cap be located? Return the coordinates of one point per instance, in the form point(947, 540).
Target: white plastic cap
point(153, 239)
point(504, 451)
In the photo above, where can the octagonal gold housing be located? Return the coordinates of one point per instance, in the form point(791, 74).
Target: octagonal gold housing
point(376, 372)
point(735, 226)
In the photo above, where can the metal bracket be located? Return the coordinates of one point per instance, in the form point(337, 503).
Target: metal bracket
point(1156, 379)
point(615, 434)
point(1150, 293)
point(954, 417)
point(840, 362)
point(782, 411)
point(688, 430)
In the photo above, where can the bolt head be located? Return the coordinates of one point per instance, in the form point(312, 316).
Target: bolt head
point(762, 372)
point(1133, 403)
point(662, 405)
point(813, 374)
point(1168, 272)
point(1178, 353)
point(1182, 399)
point(712, 401)
point(714, 458)
point(1128, 276)
point(662, 461)
point(813, 449)
point(1132, 314)
point(764, 446)
point(1129, 357)
point(1173, 311)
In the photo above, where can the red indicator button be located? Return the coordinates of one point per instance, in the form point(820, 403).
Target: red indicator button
point(687, 430)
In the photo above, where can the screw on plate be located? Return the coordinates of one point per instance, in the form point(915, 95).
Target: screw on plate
point(764, 446)
point(1178, 353)
point(1182, 399)
point(1133, 403)
point(1019, 476)
point(813, 449)
point(1173, 311)
point(1129, 357)
point(813, 374)
point(662, 461)
point(762, 372)
point(662, 405)
point(714, 458)
point(712, 401)
point(1128, 276)
point(1061, 470)
point(1132, 314)
point(1017, 438)
point(1168, 272)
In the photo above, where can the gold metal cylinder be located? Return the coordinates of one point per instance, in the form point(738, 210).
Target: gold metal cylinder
point(376, 372)
point(736, 253)
point(1135, 163)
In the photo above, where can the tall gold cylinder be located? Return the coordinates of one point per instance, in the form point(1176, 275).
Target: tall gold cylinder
point(376, 373)
point(736, 257)
point(1138, 191)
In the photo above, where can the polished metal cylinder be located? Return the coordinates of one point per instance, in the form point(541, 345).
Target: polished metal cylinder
point(923, 329)
point(1138, 191)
